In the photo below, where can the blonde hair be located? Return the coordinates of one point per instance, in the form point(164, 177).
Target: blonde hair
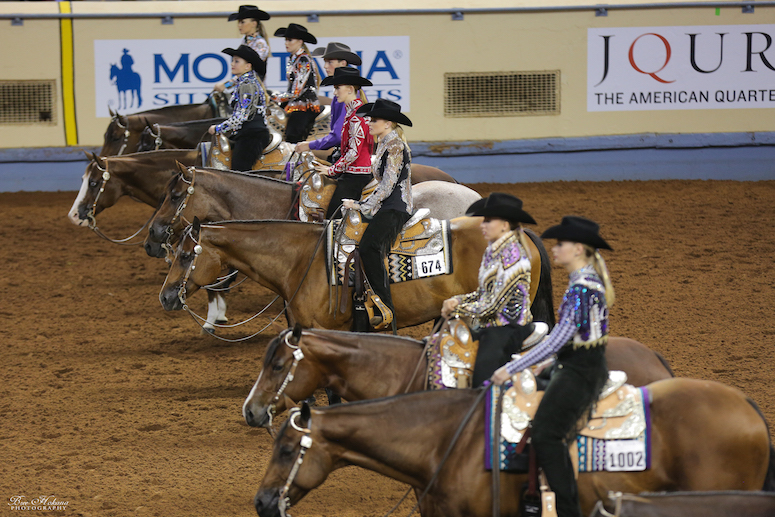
point(602, 270)
point(400, 131)
point(262, 33)
point(314, 65)
point(523, 241)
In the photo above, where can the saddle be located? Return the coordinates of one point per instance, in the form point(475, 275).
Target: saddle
point(278, 119)
point(274, 156)
point(452, 356)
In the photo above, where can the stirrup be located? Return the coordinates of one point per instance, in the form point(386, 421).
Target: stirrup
point(540, 329)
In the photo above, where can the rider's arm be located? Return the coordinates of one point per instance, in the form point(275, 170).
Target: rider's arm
point(334, 137)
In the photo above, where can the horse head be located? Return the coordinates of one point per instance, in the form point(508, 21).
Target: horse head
point(116, 137)
point(167, 223)
point(114, 71)
point(288, 375)
point(96, 194)
point(195, 264)
point(147, 139)
point(300, 462)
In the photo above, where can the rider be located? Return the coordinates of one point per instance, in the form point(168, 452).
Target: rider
point(249, 25)
point(499, 310)
point(353, 168)
point(334, 55)
point(390, 205)
point(579, 340)
point(301, 99)
point(247, 125)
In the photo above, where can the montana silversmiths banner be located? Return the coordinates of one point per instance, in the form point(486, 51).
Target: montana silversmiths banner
point(678, 68)
point(139, 75)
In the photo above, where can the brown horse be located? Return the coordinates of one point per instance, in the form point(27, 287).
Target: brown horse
point(368, 366)
point(123, 133)
point(175, 135)
point(142, 176)
point(289, 258)
point(705, 436)
point(729, 503)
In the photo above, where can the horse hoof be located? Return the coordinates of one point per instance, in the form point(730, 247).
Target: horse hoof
point(208, 331)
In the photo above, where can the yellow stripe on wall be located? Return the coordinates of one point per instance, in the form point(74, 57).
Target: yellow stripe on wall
point(68, 80)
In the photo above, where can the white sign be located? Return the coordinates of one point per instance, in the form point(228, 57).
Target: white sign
point(625, 455)
point(431, 265)
point(139, 75)
point(669, 68)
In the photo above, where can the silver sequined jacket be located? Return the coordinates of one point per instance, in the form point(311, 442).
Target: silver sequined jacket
point(392, 168)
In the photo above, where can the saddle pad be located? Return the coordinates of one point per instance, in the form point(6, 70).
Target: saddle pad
point(594, 454)
point(433, 260)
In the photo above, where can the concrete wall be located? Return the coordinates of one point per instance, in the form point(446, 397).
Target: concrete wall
point(481, 42)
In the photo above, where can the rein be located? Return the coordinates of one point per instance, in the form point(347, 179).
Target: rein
point(197, 318)
point(90, 215)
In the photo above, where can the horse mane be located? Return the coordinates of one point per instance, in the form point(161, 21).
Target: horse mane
point(184, 123)
point(251, 221)
point(352, 338)
point(243, 174)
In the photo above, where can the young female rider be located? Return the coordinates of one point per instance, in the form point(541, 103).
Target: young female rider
point(334, 55)
point(301, 99)
point(249, 24)
point(579, 340)
point(247, 125)
point(499, 310)
point(390, 205)
point(353, 168)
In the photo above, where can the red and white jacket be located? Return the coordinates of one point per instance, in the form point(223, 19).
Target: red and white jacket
point(356, 144)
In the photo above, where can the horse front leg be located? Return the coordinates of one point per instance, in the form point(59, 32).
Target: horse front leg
point(216, 311)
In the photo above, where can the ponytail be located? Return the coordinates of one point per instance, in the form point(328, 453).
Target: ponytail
point(314, 66)
point(400, 131)
point(602, 270)
point(523, 240)
point(262, 33)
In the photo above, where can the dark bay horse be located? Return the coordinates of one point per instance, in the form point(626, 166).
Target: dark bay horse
point(289, 259)
point(123, 133)
point(705, 436)
point(175, 135)
point(359, 366)
point(142, 176)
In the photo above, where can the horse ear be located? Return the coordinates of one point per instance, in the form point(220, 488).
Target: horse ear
point(98, 160)
point(306, 413)
point(182, 168)
point(196, 225)
point(296, 336)
point(89, 156)
point(112, 113)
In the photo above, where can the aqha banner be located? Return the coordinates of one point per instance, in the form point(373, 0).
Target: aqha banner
point(139, 75)
point(678, 68)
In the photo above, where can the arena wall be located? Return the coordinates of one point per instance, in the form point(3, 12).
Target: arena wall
point(492, 36)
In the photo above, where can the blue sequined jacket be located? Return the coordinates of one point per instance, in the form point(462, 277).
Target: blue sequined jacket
point(249, 105)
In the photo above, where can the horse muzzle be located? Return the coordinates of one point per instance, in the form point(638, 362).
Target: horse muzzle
point(170, 300)
point(266, 503)
point(154, 249)
point(259, 418)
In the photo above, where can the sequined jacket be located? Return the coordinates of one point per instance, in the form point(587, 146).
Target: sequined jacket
point(302, 94)
point(257, 43)
point(583, 320)
point(248, 102)
point(503, 296)
point(356, 144)
point(392, 168)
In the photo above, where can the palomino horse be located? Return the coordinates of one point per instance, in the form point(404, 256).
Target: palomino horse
point(289, 258)
point(215, 195)
point(705, 436)
point(359, 366)
point(123, 133)
point(175, 135)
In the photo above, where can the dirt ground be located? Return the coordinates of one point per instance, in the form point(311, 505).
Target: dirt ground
point(119, 408)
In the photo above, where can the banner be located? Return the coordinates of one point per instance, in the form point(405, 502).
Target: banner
point(679, 68)
point(139, 75)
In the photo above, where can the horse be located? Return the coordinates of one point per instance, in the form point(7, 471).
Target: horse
point(175, 135)
point(287, 258)
point(728, 503)
point(127, 80)
point(123, 132)
point(359, 366)
point(705, 436)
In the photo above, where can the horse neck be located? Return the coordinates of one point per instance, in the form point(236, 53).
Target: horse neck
point(400, 437)
point(239, 196)
point(273, 253)
point(366, 366)
point(145, 176)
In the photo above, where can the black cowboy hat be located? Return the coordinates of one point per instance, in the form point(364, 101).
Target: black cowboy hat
point(295, 31)
point(502, 206)
point(345, 75)
point(577, 229)
point(249, 55)
point(335, 50)
point(249, 11)
point(386, 110)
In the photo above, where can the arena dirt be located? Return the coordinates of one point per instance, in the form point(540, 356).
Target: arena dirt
point(119, 408)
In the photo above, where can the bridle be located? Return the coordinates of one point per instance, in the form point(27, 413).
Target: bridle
point(126, 135)
point(305, 443)
point(157, 141)
point(298, 355)
point(189, 270)
point(180, 208)
point(90, 214)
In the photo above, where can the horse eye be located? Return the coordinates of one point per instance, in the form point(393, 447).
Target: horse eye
point(277, 367)
point(92, 184)
point(286, 451)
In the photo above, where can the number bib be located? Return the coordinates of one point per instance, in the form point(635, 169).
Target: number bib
point(625, 456)
point(431, 265)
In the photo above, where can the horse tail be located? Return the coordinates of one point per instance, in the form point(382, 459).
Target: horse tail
point(769, 478)
point(543, 305)
point(664, 363)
